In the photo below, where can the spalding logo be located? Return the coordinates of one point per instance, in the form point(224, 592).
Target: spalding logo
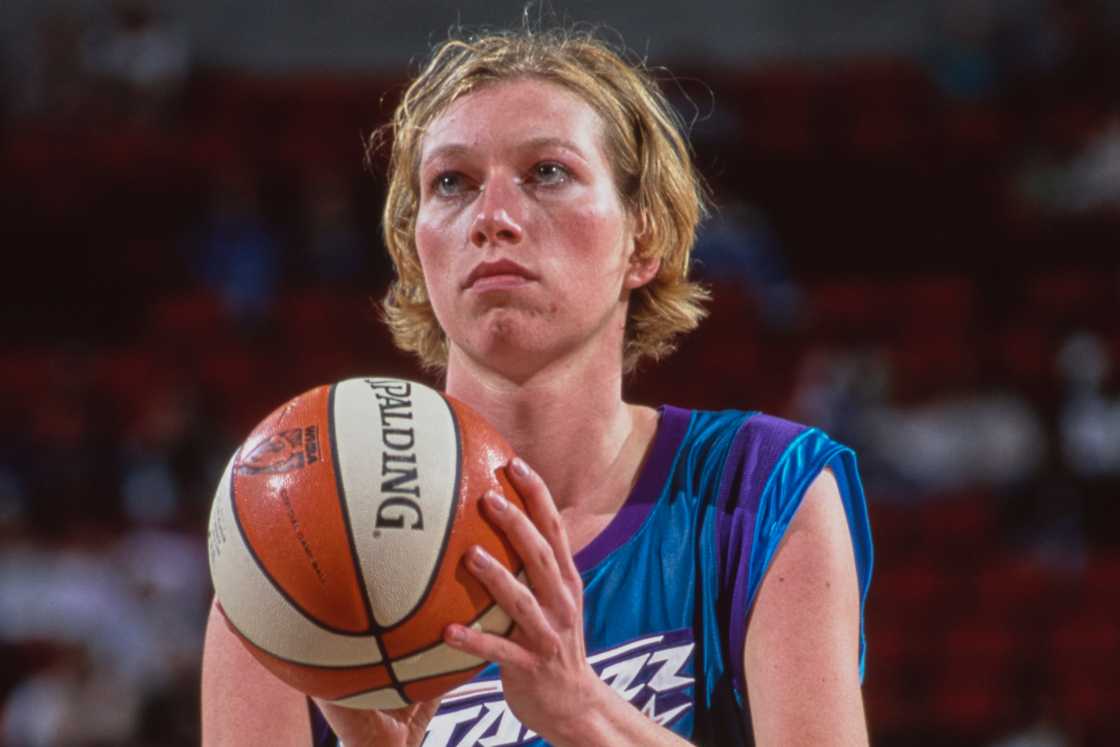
point(282, 452)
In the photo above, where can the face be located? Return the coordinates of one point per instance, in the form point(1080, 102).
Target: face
point(526, 247)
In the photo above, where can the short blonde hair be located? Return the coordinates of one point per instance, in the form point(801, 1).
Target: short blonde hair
point(654, 174)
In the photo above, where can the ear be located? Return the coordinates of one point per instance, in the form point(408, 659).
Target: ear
point(642, 270)
point(643, 266)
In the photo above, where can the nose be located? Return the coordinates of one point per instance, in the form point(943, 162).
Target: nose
point(496, 222)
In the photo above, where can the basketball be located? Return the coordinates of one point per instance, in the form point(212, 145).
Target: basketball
point(337, 534)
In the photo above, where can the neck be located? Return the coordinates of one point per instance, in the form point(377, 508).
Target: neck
point(567, 420)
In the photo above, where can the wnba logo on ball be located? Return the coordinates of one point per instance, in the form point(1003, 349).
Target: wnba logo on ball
point(400, 475)
point(282, 452)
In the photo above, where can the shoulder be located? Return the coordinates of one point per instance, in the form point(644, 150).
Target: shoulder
point(752, 425)
point(819, 528)
point(729, 458)
point(747, 446)
point(788, 477)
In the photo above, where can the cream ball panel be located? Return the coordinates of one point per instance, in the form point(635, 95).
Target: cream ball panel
point(257, 608)
point(398, 456)
point(386, 697)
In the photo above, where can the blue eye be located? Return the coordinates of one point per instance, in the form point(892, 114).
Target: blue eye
point(550, 172)
point(448, 184)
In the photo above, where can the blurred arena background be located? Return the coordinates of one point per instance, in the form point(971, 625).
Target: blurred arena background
point(915, 248)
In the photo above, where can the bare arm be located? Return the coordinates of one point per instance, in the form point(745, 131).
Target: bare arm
point(242, 703)
point(802, 649)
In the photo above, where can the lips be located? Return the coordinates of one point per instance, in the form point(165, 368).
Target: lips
point(498, 273)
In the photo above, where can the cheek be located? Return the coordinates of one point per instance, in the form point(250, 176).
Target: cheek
point(433, 245)
point(599, 232)
point(434, 252)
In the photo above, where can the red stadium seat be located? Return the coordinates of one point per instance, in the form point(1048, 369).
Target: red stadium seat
point(973, 706)
point(1084, 661)
point(960, 525)
point(1018, 589)
point(194, 315)
point(918, 595)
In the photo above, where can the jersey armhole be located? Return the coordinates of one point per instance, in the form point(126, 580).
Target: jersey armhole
point(784, 489)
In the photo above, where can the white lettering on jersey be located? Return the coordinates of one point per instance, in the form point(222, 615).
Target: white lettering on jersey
point(672, 661)
point(442, 726)
point(620, 675)
point(664, 717)
point(653, 674)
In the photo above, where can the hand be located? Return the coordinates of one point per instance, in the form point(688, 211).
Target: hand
point(548, 683)
point(397, 727)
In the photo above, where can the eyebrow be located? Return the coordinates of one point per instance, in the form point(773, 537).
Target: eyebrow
point(456, 149)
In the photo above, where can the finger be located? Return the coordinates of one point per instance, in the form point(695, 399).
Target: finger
point(405, 725)
point(502, 651)
point(512, 596)
point(539, 557)
point(542, 511)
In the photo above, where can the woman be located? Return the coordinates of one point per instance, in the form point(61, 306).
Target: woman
point(691, 575)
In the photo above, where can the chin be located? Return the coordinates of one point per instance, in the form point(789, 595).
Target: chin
point(506, 326)
point(514, 350)
point(520, 341)
point(511, 350)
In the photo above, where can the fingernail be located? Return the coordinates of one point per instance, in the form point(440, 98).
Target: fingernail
point(479, 557)
point(519, 467)
point(496, 500)
point(455, 633)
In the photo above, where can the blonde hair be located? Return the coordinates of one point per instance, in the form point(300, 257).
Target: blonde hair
point(654, 175)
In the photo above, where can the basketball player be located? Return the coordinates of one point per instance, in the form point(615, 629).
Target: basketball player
point(692, 576)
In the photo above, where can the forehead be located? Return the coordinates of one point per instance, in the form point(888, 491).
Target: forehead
point(510, 113)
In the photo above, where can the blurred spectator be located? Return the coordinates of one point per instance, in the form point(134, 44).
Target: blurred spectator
point(71, 463)
point(1046, 520)
point(235, 252)
point(56, 86)
point(1089, 421)
point(140, 62)
point(124, 619)
point(995, 440)
point(74, 600)
point(70, 703)
point(835, 388)
point(992, 440)
point(13, 498)
point(738, 246)
point(166, 571)
point(962, 61)
point(1086, 181)
point(170, 459)
point(840, 391)
point(1030, 43)
point(336, 256)
point(1056, 49)
point(1093, 181)
point(44, 68)
point(123, 61)
point(1043, 734)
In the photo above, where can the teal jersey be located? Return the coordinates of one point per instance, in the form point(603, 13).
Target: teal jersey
point(669, 584)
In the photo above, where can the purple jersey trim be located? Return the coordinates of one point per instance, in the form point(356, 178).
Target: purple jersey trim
point(757, 447)
point(671, 429)
point(321, 734)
